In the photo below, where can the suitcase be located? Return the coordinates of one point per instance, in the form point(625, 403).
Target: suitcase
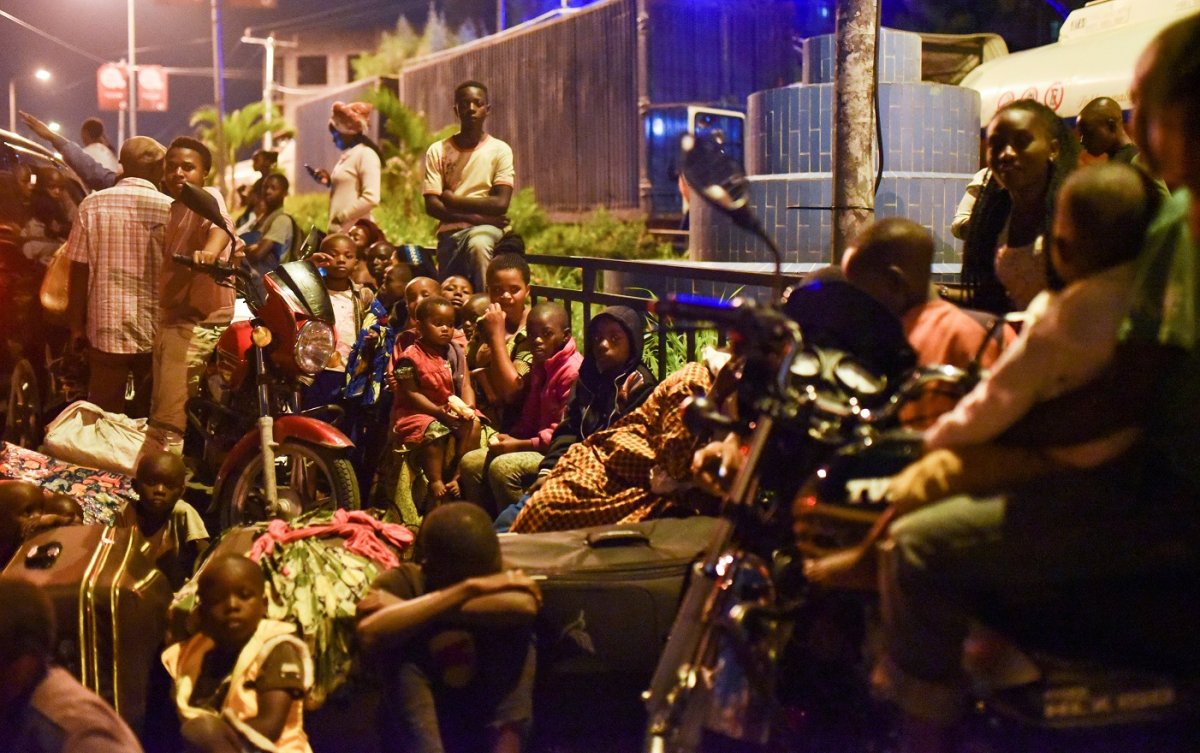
point(110, 606)
point(610, 594)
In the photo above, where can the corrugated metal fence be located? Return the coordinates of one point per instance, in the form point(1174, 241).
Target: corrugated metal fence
point(562, 95)
point(564, 92)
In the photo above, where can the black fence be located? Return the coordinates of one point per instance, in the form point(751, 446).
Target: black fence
point(655, 279)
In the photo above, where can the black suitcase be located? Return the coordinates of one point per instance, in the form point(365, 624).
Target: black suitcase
point(110, 604)
point(609, 594)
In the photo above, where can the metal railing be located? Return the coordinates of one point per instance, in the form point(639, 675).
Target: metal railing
point(667, 275)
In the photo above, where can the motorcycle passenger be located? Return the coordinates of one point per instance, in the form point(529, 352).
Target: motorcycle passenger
point(1068, 339)
point(1126, 529)
point(892, 261)
point(1030, 153)
point(193, 308)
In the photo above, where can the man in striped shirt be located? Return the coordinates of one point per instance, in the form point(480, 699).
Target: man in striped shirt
point(116, 253)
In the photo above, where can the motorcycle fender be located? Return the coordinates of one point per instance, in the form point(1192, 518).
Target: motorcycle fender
point(301, 428)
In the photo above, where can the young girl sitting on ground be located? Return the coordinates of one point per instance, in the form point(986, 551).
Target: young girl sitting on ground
point(434, 398)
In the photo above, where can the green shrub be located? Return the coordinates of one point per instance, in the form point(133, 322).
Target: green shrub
point(308, 209)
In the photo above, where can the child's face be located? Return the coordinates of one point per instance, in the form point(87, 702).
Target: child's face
point(475, 308)
point(547, 335)
point(609, 344)
point(507, 288)
point(342, 253)
point(437, 328)
point(417, 291)
point(1066, 245)
point(457, 290)
point(53, 184)
point(358, 234)
point(232, 604)
point(159, 485)
point(395, 280)
point(379, 257)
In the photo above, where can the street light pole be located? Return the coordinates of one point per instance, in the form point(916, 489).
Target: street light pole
point(269, 43)
point(41, 74)
point(132, 69)
point(218, 92)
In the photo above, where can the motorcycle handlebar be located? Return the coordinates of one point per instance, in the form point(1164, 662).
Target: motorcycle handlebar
point(216, 269)
point(742, 315)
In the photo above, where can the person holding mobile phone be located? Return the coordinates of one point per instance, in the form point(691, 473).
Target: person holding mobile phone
point(354, 181)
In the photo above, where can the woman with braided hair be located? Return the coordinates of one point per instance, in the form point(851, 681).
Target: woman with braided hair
point(1030, 153)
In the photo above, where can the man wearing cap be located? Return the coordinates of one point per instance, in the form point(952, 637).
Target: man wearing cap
point(354, 181)
point(116, 253)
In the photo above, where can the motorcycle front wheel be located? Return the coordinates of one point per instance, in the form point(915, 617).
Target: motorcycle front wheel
point(307, 477)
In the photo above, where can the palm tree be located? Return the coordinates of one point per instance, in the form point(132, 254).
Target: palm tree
point(243, 129)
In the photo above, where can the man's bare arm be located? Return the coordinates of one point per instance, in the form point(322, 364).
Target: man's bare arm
point(494, 204)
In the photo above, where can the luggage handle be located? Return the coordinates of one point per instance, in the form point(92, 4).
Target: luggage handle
point(43, 556)
point(617, 537)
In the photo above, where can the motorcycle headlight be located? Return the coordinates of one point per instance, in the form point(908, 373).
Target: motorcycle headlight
point(314, 346)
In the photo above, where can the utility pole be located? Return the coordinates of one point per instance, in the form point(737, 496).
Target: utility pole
point(132, 69)
point(219, 92)
point(501, 15)
point(855, 37)
point(269, 43)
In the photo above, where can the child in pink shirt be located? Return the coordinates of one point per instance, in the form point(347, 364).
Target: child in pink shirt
point(510, 459)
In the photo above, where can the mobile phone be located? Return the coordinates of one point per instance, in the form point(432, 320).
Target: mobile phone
point(312, 172)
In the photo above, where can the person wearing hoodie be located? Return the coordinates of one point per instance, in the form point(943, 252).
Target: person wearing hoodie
point(613, 381)
point(510, 460)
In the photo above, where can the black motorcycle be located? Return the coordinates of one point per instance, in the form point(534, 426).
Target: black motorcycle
point(821, 390)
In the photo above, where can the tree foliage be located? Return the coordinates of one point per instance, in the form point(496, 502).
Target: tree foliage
point(244, 128)
point(404, 42)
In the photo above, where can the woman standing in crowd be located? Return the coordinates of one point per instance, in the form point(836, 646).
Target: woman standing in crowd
point(1030, 152)
point(354, 181)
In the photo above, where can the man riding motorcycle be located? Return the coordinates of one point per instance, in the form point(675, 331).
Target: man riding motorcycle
point(1099, 556)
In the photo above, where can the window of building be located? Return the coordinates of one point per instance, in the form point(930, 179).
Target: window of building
point(312, 70)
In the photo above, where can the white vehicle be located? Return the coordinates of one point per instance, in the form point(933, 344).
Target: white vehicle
point(1093, 57)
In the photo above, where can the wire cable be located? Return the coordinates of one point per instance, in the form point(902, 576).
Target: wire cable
point(324, 14)
point(51, 37)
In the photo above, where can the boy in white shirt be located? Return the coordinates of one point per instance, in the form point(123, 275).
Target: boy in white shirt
point(468, 186)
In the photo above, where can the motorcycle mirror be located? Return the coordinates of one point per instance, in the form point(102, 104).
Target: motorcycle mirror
point(721, 181)
point(205, 204)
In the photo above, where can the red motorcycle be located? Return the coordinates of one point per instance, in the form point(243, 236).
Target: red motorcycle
point(274, 461)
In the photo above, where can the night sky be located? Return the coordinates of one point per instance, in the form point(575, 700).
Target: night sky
point(177, 33)
point(172, 33)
